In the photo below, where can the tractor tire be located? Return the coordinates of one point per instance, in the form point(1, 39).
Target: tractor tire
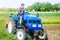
point(21, 34)
point(11, 26)
point(43, 35)
point(46, 38)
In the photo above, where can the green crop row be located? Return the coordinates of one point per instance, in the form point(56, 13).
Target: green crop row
point(47, 14)
point(52, 21)
point(40, 14)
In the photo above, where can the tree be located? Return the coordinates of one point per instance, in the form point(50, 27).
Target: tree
point(55, 7)
point(36, 6)
point(58, 6)
point(48, 6)
point(42, 6)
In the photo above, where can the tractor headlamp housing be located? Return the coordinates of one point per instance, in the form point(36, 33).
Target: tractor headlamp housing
point(39, 25)
point(34, 25)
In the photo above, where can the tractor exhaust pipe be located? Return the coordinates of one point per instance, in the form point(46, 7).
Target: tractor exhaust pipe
point(37, 14)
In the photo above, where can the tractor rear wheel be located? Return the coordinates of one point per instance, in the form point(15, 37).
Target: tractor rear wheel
point(11, 26)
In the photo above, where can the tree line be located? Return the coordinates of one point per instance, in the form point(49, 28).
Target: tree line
point(37, 6)
point(43, 7)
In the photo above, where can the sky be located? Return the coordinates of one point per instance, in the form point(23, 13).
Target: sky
point(17, 3)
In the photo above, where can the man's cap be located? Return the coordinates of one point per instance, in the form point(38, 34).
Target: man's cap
point(22, 4)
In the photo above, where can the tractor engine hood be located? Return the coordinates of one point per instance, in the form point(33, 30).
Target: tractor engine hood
point(31, 17)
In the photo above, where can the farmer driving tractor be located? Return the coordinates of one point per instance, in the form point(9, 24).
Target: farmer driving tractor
point(20, 10)
point(20, 13)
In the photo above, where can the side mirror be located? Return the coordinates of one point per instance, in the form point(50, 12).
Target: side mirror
point(11, 15)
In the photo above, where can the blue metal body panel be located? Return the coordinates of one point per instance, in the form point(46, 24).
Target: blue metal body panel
point(30, 17)
point(15, 18)
point(30, 26)
point(27, 17)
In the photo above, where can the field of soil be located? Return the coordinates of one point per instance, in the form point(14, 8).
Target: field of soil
point(53, 31)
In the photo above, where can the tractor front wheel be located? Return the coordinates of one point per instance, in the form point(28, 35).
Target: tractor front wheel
point(21, 34)
point(43, 35)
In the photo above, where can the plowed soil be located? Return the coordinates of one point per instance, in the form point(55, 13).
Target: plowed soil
point(53, 31)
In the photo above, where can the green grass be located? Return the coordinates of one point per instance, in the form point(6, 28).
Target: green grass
point(4, 35)
point(47, 13)
point(51, 20)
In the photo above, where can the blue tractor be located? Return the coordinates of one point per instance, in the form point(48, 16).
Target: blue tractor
point(27, 23)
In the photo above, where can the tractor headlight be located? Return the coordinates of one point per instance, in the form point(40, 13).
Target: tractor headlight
point(34, 25)
point(39, 25)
